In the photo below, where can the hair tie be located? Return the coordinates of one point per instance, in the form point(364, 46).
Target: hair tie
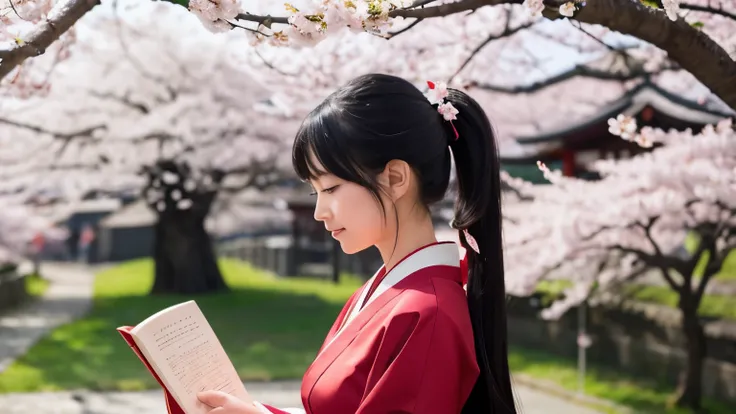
point(437, 95)
point(468, 237)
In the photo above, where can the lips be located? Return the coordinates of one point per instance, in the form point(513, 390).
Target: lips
point(336, 232)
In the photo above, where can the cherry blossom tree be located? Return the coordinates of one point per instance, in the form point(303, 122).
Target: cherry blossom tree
point(707, 57)
point(600, 233)
point(695, 34)
point(175, 117)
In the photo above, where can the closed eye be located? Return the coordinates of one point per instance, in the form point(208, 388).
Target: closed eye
point(326, 190)
point(331, 189)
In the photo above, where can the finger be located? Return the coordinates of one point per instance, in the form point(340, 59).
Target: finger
point(218, 410)
point(213, 398)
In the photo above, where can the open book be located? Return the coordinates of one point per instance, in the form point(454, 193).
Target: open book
point(183, 353)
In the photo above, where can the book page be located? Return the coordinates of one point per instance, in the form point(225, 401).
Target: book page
point(181, 345)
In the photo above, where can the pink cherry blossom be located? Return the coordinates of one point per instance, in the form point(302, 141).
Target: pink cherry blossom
point(595, 233)
point(672, 8)
point(623, 126)
point(567, 9)
point(215, 13)
point(437, 92)
point(448, 111)
point(534, 7)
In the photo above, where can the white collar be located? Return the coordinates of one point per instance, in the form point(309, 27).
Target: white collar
point(443, 253)
point(440, 254)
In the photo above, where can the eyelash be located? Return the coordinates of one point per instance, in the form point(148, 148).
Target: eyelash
point(326, 190)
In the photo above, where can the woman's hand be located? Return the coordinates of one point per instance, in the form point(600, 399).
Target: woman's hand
point(224, 403)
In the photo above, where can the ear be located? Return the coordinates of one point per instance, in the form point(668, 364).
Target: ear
point(396, 178)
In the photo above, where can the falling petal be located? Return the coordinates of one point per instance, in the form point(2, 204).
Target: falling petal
point(471, 241)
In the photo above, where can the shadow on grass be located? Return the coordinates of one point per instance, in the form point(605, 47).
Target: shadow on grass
point(268, 334)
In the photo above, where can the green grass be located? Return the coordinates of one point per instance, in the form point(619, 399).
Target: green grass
point(271, 329)
point(728, 270)
point(712, 306)
point(36, 286)
point(643, 396)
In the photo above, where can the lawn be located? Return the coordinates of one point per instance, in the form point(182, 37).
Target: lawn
point(641, 395)
point(728, 270)
point(36, 285)
point(270, 328)
point(711, 306)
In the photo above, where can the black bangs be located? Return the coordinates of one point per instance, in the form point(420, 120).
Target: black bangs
point(327, 137)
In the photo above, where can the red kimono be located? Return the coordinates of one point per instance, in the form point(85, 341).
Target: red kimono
point(409, 349)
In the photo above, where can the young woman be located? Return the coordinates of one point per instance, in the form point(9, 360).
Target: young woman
point(377, 153)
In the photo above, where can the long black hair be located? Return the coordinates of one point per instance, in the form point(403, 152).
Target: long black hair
point(377, 118)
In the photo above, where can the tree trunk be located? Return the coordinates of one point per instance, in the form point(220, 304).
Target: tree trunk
point(690, 388)
point(184, 259)
point(692, 49)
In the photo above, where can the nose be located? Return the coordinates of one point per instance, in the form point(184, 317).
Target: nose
point(321, 211)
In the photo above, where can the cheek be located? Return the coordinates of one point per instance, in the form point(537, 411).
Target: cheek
point(361, 216)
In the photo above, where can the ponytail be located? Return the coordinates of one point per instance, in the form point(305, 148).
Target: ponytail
point(478, 209)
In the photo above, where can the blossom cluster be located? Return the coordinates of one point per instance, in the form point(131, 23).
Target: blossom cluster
point(596, 234)
point(307, 25)
point(17, 19)
point(437, 95)
point(568, 9)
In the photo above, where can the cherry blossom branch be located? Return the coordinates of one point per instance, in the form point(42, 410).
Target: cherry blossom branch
point(711, 268)
point(577, 71)
point(139, 66)
point(716, 256)
point(658, 252)
point(707, 9)
point(124, 100)
point(260, 174)
point(656, 260)
point(271, 65)
point(66, 137)
point(266, 21)
point(507, 31)
point(448, 8)
point(579, 27)
point(87, 132)
point(61, 18)
point(692, 49)
point(420, 3)
point(405, 29)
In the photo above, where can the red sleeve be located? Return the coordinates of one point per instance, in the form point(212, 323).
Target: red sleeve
point(426, 364)
point(274, 410)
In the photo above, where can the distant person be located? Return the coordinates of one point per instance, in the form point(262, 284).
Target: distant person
point(37, 248)
point(378, 153)
point(86, 237)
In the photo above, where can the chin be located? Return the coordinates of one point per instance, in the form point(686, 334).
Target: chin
point(352, 248)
